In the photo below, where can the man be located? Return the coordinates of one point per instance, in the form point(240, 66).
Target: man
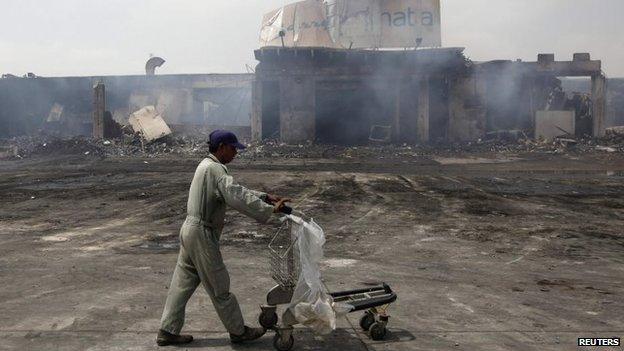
point(200, 260)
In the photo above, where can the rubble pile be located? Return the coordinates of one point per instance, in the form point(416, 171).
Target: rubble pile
point(610, 143)
point(30, 146)
point(23, 147)
point(133, 145)
point(273, 148)
point(556, 146)
point(176, 145)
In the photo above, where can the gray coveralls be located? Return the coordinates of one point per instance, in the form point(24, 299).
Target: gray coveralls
point(200, 257)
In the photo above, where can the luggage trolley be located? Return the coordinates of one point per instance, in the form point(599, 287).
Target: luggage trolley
point(285, 268)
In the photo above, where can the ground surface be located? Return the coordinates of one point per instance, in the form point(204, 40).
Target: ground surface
point(486, 252)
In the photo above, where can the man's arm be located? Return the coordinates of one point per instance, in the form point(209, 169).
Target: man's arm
point(260, 194)
point(244, 200)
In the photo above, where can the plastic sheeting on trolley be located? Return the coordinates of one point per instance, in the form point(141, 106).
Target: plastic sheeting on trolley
point(310, 305)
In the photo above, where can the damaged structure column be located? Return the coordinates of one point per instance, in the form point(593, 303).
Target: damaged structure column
point(467, 112)
point(297, 109)
point(599, 103)
point(256, 110)
point(99, 109)
point(423, 110)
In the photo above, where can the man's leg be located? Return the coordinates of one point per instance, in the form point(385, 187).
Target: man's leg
point(216, 280)
point(184, 282)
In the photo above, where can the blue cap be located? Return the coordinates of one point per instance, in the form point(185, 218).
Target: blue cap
point(226, 137)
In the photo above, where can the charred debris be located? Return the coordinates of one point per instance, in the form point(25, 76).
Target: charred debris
point(324, 102)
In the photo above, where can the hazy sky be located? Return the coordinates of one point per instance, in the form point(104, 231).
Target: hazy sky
point(89, 37)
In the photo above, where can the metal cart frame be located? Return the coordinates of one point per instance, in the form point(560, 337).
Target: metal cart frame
point(285, 269)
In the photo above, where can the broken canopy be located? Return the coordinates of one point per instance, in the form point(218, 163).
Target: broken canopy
point(354, 24)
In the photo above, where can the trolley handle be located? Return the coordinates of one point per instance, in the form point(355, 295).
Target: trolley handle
point(287, 210)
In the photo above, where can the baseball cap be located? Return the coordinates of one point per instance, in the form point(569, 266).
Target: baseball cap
point(226, 137)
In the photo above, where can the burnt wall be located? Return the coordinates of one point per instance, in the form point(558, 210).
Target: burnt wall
point(195, 99)
point(25, 103)
point(346, 96)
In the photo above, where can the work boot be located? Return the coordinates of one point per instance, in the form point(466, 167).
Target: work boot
point(249, 335)
point(165, 338)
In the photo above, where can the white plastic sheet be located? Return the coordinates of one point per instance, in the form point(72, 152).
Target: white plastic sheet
point(310, 305)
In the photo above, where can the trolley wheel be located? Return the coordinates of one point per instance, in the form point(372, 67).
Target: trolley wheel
point(267, 320)
point(377, 331)
point(367, 320)
point(283, 345)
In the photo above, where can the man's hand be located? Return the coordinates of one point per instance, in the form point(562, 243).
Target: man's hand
point(279, 205)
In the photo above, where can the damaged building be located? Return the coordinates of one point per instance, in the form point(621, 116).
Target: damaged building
point(310, 86)
point(339, 72)
point(70, 106)
point(415, 96)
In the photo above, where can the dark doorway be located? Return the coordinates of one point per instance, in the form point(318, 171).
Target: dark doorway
point(408, 130)
point(346, 111)
point(270, 110)
point(438, 110)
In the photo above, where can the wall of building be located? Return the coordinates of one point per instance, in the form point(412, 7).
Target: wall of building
point(343, 96)
point(193, 99)
point(340, 96)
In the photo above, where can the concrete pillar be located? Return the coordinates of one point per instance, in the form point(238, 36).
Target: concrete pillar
point(423, 111)
point(256, 110)
point(467, 112)
point(396, 119)
point(599, 104)
point(99, 107)
point(297, 109)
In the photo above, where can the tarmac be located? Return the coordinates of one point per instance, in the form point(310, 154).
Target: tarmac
point(486, 252)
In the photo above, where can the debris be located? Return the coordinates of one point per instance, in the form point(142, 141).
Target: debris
point(552, 124)
point(615, 132)
point(134, 145)
point(56, 112)
point(7, 152)
point(121, 116)
point(605, 148)
point(149, 124)
point(380, 134)
point(509, 135)
point(112, 129)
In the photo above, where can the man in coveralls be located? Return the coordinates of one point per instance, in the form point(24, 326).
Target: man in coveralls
point(200, 260)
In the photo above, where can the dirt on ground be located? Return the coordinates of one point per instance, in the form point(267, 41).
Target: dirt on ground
point(487, 250)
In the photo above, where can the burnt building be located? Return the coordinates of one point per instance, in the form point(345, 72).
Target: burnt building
point(188, 102)
point(348, 96)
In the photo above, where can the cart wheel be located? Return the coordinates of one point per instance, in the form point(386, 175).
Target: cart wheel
point(377, 331)
point(283, 345)
point(367, 320)
point(267, 320)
